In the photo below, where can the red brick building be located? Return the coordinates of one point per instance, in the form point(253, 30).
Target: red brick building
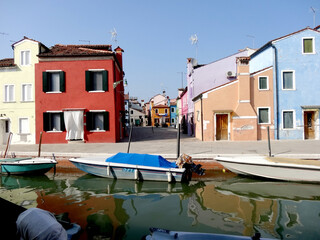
point(76, 95)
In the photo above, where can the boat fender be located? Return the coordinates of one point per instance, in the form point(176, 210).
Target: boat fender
point(136, 174)
point(169, 176)
point(108, 171)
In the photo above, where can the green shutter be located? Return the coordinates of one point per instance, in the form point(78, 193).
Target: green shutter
point(62, 81)
point(45, 78)
point(88, 81)
point(62, 125)
point(106, 121)
point(46, 121)
point(105, 80)
point(89, 121)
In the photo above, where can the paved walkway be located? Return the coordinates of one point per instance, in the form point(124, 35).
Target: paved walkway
point(163, 141)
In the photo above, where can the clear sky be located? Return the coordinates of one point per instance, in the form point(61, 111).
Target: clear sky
point(155, 34)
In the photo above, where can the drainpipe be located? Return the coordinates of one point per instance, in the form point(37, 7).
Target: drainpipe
point(275, 64)
point(201, 119)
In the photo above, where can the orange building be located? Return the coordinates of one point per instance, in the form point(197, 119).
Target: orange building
point(239, 110)
point(160, 115)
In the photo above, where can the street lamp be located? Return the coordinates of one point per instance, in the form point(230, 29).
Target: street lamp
point(125, 83)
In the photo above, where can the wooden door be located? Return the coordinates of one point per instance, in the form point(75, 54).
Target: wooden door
point(309, 125)
point(222, 127)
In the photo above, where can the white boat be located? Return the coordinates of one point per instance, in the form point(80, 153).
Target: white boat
point(286, 169)
point(26, 166)
point(163, 234)
point(135, 167)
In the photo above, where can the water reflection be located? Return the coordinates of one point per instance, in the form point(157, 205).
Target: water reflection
point(123, 209)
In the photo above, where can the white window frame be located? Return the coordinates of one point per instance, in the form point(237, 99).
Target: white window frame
point(269, 114)
point(28, 127)
point(293, 116)
point(23, 97)
point(267, 83)
point(313, 45)
point(293, 80)
point(24, 61)
point(5, 93)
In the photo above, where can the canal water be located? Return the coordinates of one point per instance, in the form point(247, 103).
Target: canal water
point(122, 209)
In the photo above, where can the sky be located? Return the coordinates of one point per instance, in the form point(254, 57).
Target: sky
point(155, 34)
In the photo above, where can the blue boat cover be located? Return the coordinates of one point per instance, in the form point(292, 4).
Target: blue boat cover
point(141, 159)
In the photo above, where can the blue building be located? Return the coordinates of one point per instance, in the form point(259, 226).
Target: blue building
point(173, 114)
point(296, 77)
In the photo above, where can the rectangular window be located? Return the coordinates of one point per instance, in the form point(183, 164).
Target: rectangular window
point(53, 121)
point(96, 80)
point(7, 126)
point(26, 92)
point(24, 126)
point(97, 121)
point(25, 58)
point(288, 80)
point(53, 81)
point(9, 93)
point(263, 83)
point(165, 110)
point(308, 45)
point(287, 117)
point(156, 111)
point(263, 117)
point(172, 110)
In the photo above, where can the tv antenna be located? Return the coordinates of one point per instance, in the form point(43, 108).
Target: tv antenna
point(87, 41)
point(3, 33)
point(194, 41)
point(114, 35)
point(253, 37)
point(314, 16)
point(181, 78)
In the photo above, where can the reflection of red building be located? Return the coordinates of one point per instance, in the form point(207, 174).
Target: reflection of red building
point(75, 94)
point(80, 212)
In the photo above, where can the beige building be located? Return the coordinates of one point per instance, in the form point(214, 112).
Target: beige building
point(17, 80)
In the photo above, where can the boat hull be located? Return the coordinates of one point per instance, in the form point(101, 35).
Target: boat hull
point(280, 169)
point(36, 166)
point(127, 171)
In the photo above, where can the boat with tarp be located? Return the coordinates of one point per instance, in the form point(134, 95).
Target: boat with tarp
point(139, 167)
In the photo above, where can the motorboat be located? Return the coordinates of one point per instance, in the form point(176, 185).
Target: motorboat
point(278, 168)
point(163, 234)
point(138, 167)
point(26, 166)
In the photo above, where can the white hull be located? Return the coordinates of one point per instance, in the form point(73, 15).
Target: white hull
point(99, 167)
point(273, 168)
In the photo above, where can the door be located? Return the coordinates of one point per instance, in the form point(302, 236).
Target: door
point(222, 127)
point(309, 125)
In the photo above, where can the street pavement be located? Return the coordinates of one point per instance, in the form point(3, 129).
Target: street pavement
point(163, 141)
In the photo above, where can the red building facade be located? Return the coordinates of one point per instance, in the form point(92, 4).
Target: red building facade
point(76, 95)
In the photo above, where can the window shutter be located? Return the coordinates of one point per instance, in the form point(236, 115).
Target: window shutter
point(88, 81)
point(45, 78)
point(62, 125)
point(106, 121)
point(46, 121)
point(62, 81)
point(105, 80)
point(89, 121)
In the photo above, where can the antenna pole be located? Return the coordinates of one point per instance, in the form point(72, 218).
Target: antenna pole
point(314, 16)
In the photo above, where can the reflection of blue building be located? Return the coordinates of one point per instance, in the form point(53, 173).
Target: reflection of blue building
point(296, 70)
point(173, 114)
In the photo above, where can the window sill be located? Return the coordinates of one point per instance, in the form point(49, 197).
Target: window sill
point(24, 134)
point(96, 91)
point(97, 131)
point(263, 89)
point(53, 92)
point(10, 102)
point(264, 123)
point(27, 101)
point(54, 131)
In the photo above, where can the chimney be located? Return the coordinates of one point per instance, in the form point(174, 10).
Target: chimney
point(119, 52)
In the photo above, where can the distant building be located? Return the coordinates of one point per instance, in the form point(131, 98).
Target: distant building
point(173, 112)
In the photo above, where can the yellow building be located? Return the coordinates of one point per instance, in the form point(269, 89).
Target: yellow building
point(17, 81)
point(160, 115)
